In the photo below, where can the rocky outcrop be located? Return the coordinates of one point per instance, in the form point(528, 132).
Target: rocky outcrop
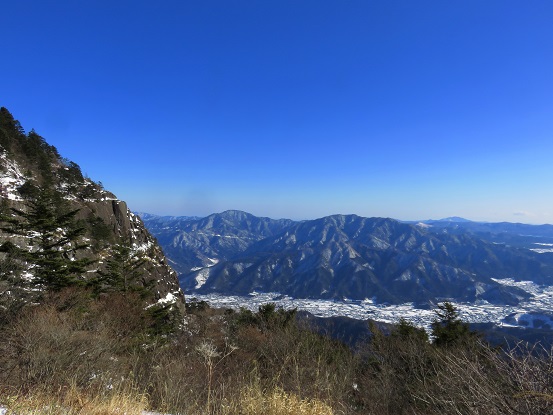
point(128, 227)
point(27, 162)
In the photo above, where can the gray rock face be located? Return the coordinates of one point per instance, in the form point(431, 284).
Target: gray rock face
point(129, 228)
point(27, 161)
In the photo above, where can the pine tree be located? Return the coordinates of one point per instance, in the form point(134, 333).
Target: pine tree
point(49, 235)
point(122, 272)
point(406, 330)
point(448, 328)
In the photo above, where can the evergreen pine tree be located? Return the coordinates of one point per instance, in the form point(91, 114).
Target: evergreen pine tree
point(122, 272)
point(49, 235)
point(448, 328)
point(405, 330)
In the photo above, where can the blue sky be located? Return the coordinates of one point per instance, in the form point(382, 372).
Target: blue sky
point(297, 109)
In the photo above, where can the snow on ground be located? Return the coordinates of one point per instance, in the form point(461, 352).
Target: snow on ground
point(203, 275)
point(142, 248)
point(545, 247)
point(10, 178)
point(170, 298)
point(538, 307)
point(201, 278)
point(223, 236)
point(213, 263)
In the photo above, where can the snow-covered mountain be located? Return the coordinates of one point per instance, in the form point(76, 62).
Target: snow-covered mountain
point(196, 243)
point(347, 256)
point(534, 237)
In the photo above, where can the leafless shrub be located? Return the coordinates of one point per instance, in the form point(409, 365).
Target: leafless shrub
point(478, 379)
point(69, 338)
point(74, 350)
point(464, 380)
point(530, 370)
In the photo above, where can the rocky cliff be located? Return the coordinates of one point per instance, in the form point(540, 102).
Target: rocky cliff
point(112, 240)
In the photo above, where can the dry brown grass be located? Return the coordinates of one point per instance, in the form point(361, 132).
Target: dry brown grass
point(255, 401)
point(74, 401)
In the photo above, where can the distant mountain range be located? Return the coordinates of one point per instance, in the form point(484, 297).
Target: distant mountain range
point(348, 256)
point(193, 243)
point(451, 219)
point(536, 237)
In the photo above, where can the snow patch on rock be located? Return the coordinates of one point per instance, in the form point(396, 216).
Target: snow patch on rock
point(11, 178)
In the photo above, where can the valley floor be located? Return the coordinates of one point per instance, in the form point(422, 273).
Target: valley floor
point(536, 313)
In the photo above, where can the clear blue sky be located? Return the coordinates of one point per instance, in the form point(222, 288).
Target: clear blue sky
point(298, 109)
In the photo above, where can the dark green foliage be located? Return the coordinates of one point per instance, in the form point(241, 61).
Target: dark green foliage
point(36, 147)
point(4, 206)
point(39, 159)
point(165, 319)
point(100, 233)
point(89, 191)
point(448, 328)
point(122, 272)
point(71, 172)
point(71, 177)
point(51, 236)
point(5, 141)
point(40, 154)
point(193, 305)
point(395, 362)
point(268, 317)
point(13, 291)
point(405, 330)
point(28, 191)
point(10, 129)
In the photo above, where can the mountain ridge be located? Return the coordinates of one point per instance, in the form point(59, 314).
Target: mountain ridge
point(197, 243)
point(350, 256)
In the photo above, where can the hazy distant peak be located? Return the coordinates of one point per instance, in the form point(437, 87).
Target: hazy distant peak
point(234, 214)
point(455, 219)
point(164, 218)
point(452, 219)
point(144, 215)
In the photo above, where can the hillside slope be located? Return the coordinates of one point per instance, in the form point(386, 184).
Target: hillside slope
point(100, 232)
point(194, 243)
